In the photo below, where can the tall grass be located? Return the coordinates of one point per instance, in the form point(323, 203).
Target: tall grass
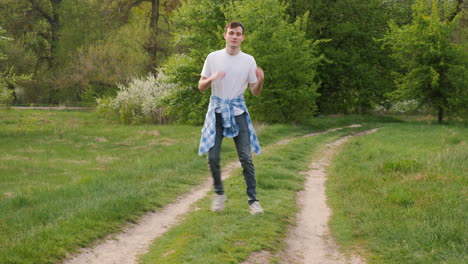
point(401, 194)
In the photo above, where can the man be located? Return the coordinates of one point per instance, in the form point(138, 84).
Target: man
point(228, 72)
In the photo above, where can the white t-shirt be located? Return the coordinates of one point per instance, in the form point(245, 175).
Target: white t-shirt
point(239, 71)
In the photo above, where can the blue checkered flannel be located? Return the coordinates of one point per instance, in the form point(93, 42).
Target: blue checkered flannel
point(230, 126)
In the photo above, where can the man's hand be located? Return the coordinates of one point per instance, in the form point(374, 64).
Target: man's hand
point(256, 88)
point(204, 83)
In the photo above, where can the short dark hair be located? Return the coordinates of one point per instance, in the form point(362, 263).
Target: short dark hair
point(234, 24)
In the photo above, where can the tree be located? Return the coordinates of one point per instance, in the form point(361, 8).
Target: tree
point(433, 69)
point(198, 27)
point(289, 59)
point(55, 32)
point(35, 26)
point(154, 45)
point(280, 48)
point(50, 12)
point(358, 73)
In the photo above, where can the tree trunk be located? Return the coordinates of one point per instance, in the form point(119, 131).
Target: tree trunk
point(152, 44)
point(54, 21)
point(55, 26)
point(440, 115)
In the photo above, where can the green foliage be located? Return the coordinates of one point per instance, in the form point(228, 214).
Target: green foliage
point(287, 57)
point(8, 77)
point(102, 64)
point(357, 74)
point(7, 85)
point(6, 95)
point(22, 60)
point(27, 26)
point(277, 45)
point(97, 43)
point(185, 104)
point(433, 69)
point(94, 44)
point(94, 91)
point(198, 28)
point(83, 22)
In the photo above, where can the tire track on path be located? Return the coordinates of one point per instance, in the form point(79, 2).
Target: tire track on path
point(135, 240)
point(309, 241)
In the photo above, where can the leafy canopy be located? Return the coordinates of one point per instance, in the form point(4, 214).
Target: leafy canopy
point(281, 48)
point(433, 69)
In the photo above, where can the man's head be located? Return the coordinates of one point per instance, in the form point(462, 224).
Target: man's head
point(234, 35)
point(233, 24)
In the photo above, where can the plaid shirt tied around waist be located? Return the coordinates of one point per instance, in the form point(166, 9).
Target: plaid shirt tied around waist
point(231, 129)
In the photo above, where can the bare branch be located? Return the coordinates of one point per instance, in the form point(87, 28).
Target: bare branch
point(41, 11)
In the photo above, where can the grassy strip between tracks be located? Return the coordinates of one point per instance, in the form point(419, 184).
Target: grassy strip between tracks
point(69, 178)
point(232, 235)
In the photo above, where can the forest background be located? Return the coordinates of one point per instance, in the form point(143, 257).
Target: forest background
point(140, 60)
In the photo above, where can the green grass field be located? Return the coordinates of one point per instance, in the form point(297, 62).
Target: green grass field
point(68, 178)
point(401, 194)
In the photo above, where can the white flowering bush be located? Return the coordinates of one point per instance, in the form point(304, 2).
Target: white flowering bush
point(410, 106)
point(139, 101)
point(406, 106)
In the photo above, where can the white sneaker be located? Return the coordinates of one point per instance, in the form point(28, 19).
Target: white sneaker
point(256, 208)
point(217, 204)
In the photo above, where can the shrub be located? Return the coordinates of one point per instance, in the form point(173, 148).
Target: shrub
point(139, 101)
point(8, 77)
point(6, 96)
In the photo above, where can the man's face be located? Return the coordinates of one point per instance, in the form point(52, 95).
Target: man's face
point(234, 37)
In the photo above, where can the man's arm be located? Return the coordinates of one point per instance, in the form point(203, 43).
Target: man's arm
point(204, 82)
point(256, 88)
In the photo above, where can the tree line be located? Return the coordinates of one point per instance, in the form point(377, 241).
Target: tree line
point(319, 56)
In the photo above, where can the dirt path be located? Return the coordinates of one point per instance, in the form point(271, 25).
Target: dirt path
point(309, 241)
point(125, 247)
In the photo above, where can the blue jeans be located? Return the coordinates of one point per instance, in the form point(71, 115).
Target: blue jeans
point(242, 142)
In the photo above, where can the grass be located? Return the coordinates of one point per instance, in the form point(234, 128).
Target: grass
point(233, 234)
point(400, 195)
point(69, 178)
